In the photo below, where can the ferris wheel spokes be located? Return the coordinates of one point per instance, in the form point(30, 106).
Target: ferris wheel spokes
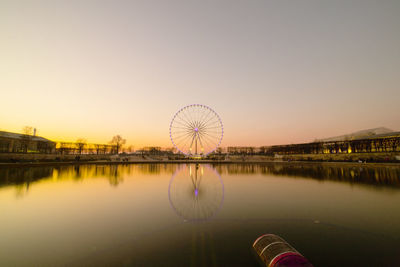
point(196, 130)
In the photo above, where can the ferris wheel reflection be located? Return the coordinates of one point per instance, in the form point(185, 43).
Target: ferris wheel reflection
point(196, 192)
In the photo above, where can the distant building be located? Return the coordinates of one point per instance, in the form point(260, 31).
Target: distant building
point(386, 142)
point(242, 150)
point(22, 143)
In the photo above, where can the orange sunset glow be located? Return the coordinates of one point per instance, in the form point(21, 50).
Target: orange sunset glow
point(275, 75)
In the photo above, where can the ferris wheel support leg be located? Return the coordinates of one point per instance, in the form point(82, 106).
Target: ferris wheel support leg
point(195, 146)
point(191, 144)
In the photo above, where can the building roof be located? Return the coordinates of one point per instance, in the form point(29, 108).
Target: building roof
point(392, 134)
point(363, 134)
point(20, 136)
point(376, 136)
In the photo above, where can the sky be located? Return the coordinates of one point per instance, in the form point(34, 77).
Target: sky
point(276, 72)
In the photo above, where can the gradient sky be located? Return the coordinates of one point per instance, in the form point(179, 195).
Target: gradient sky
point(277, 72)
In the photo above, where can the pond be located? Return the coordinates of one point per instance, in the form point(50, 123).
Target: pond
point(198, 215)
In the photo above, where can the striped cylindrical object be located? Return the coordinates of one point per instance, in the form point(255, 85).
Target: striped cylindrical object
point(276, 252)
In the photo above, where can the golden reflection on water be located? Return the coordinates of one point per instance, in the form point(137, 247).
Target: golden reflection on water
point(22, 178)
point(52, 214)
point(196, 192)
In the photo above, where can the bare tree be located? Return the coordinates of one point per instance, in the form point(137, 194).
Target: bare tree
point(98, 148)
point(130, 149)
point(118, 142)
point(80, 144)
point(27, 130)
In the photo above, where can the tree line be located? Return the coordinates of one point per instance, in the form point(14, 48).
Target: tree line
point(80, 146)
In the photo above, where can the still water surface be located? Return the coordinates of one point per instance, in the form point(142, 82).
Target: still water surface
point(197, 215)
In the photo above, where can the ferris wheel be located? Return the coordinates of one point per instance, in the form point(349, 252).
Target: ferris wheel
point(196, 192)
point(196, 130)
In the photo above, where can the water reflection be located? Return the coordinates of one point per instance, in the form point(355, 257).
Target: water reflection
point(12, 176)
point(84, 215)
point(376, 175)
point(25, 177)
point(196, 192)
